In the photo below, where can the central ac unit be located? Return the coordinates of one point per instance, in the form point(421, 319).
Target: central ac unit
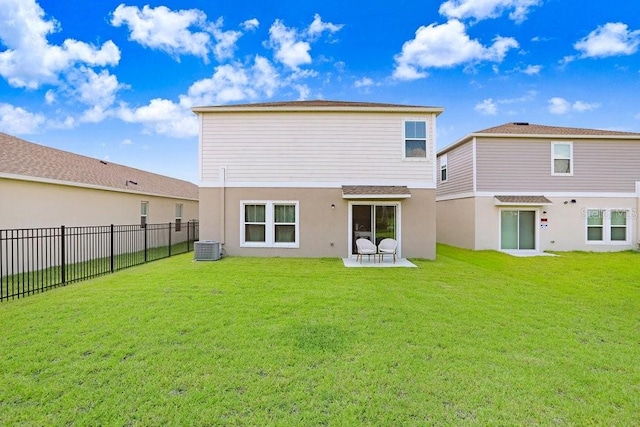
point(206, 250)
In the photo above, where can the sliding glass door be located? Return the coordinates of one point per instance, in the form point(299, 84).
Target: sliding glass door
point(517, 230)
point(373, 222)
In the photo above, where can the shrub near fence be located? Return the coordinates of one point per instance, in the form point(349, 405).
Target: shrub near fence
point(37, 259)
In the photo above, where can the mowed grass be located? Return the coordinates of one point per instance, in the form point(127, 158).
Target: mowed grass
point(473, 338)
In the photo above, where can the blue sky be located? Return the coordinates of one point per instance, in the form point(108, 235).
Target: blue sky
point(116, 80)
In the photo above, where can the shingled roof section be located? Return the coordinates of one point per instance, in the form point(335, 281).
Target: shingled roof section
point(522, 128)
point(33, 161)
point(523, 200)
point(317, 105)
point(399, 191)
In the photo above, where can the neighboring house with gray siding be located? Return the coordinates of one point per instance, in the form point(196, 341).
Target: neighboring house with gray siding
point(523, 187)
point(45, 187)
point(307, 178)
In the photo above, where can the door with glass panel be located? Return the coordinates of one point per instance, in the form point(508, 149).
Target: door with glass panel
point(517, 230)
point(373, 222)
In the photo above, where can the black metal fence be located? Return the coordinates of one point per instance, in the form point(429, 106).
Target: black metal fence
point(37, 259)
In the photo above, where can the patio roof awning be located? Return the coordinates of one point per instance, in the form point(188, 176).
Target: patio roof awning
point(522, 201)
point(375, 192)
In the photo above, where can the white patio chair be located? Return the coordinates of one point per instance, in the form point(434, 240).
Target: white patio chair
point(366, 247)
point(387, 246)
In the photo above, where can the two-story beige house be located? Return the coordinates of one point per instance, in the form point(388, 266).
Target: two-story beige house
point(307, 178)
point(527, 188)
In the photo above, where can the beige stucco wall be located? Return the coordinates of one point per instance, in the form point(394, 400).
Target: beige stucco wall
point(456, 222)
point(27, 204)
point(323, 229)
point(566, 223)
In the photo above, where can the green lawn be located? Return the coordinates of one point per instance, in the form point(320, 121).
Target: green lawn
point(474, 338)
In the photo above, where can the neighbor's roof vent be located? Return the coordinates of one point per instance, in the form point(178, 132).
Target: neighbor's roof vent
point(521, 123)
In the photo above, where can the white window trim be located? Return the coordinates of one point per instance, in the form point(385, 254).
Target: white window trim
point(179, 210)
point(606, 227)
point(269, 224)
point(444, 166)
point(426, 140)
point(553, 158)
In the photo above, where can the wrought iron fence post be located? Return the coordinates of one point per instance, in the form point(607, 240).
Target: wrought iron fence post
point(169, 238)
point(188, 238)
point(62, 255)
point(112, 248)
point(145, 243)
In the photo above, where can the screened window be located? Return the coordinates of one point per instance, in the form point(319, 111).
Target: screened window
point(562, 158)
point(607, 226)
point(415, 139)
point(443, 168)
point(270, 224)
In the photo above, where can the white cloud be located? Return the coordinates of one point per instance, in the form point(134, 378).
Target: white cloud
point(610, 39)
point(127, 141)
point(443, 46)
point(225, 41)
point(363, 82)
point(292, 46)
point(50, 97)
point(303, 92)
point(166, 30)
point(229, 83)
point(487, 107)
point(289, 49)
point(532, 70)
point(29, 60)
point(318, 27)
point(16, 120)
point(560, 106)
point(162, 117)
point(250, 24)
point(486, 9)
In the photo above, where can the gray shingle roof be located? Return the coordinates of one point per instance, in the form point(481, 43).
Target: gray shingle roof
point(315, 105)
point(520, 128)
point(375, 190)
point(525, 200)
point(20, 157)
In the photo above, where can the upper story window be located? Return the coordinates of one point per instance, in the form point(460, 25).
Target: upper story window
point(144, 213)
point(415, 139)
point(562, 158)
point(270, 224)
point(443, 168)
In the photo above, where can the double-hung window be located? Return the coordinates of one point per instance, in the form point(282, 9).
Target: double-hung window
point(179, 207)
point(415, 139)
point(144, 214)
point(562, 158)
point(270, 224)
point(443, 168)
point(607, 226)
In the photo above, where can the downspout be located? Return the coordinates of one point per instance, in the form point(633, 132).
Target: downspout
point(223, 184)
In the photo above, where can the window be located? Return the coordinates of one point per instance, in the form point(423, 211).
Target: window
point(144, 213)
point(415, 139)
point(269, 224)
point(607, 226)
point(562, 158)
point(443, 168)
point(178, 216)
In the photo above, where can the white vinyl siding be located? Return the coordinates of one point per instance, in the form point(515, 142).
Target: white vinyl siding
point(608, 226)
point(311, 148)
point(269, 224)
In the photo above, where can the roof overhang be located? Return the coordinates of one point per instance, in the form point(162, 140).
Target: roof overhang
point(375, 192)
point(521, 201)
